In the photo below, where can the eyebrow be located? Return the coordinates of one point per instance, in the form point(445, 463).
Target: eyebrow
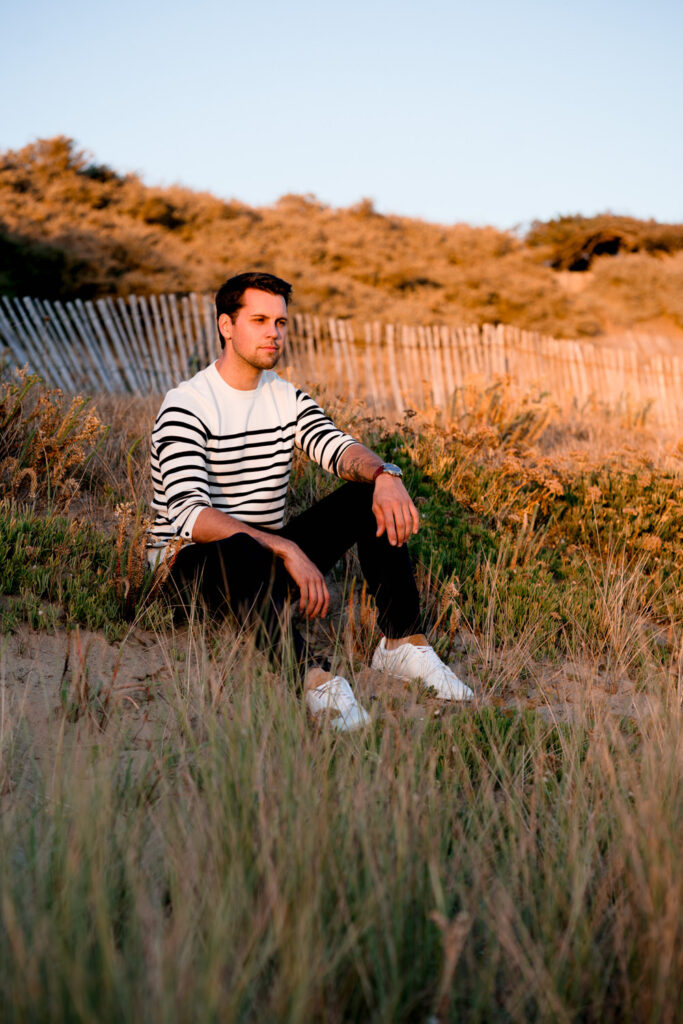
point(264, 316)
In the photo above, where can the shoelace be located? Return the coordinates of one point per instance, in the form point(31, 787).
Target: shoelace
point(429, 651)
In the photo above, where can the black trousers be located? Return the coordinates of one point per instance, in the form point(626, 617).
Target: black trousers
point(241, 576)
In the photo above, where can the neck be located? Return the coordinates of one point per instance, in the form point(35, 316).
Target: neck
point(242, 377)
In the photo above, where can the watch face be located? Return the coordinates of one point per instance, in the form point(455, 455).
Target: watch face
point(391, 469)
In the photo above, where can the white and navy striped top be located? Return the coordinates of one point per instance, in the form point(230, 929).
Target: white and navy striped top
point(215, 446)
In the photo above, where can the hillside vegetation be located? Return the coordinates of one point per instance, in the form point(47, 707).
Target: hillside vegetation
point(72, 227)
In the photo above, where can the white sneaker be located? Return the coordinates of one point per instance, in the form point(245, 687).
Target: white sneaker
point(337, 695)
point(421, 662)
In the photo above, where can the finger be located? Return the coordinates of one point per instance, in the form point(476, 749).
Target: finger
point(390, 524)
point(381, 522)
point(317, 598)
point(310, 598)
point(415, 517)
point(303, 596)
point(397, 517)
point(409, 519)
point(401, 526)
point(326, 600)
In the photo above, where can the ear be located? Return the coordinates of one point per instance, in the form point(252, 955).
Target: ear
point(225, 326)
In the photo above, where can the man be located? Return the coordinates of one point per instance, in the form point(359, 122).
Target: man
point(222, 450)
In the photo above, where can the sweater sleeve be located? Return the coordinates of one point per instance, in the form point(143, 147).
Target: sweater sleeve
point(317, 435)
point(179, 448)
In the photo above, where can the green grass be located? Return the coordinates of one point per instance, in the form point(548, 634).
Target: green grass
point(57, 570)
point(576, 556)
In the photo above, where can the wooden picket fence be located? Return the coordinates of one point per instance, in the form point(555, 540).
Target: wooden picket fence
point(144, 345)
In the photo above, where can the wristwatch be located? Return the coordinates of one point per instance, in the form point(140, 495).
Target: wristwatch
point(389, 468)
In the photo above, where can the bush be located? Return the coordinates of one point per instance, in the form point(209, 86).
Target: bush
point(46, 440)
point(572, 243)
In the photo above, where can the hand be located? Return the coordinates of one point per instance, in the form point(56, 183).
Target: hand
point(314, 596)
point(394, 510)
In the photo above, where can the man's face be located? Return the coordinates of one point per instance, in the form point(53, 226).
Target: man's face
point(258, 334)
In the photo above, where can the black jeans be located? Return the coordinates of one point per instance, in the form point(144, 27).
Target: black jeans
point(242, 576)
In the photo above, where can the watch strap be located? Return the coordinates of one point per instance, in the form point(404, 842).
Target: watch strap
point(388, 467)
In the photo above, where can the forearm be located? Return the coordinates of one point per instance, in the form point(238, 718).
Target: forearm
point(212, 524)
point(359, 464)
point(314, 597)
point(394, 511)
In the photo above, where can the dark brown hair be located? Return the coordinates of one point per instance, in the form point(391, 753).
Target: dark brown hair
point(230, 296)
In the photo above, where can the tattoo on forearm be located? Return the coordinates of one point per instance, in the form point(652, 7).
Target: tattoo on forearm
point(358, 466)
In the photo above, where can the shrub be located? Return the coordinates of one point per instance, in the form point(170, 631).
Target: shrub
point(45, 440)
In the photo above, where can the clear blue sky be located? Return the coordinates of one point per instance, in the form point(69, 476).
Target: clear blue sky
point(484, 111)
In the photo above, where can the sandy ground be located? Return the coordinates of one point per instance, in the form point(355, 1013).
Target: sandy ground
point(68, 686)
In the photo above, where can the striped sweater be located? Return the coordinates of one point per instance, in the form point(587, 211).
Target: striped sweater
point(215, 446)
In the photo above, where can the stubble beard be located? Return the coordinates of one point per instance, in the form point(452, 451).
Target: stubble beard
point(267, 362)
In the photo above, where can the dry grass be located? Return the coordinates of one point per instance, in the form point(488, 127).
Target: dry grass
point(46, 440)
point(215, 857)
point(180, 843)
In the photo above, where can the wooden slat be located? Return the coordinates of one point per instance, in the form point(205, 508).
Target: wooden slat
point(172, 342)
point(202, 343)
point(138, 355)
point(100, 359)
point(350, 356)
point(52, 350)
point(371, 358)
point(142, 345)
point(195, 362)
point(123, 355)
point(13, 338)
point(180, 339)
point(391, 371)
point(90, 365)
point(213, 345)
point(70, 354)
point(158, 352)
point(113, 373)
point(167, 355)
point(30, 342)
point(18, 335)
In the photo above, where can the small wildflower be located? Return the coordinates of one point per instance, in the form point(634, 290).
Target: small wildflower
point(554, 486)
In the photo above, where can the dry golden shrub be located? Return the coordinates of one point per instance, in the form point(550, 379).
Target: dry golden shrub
point(119, 236)
point(46, 438)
